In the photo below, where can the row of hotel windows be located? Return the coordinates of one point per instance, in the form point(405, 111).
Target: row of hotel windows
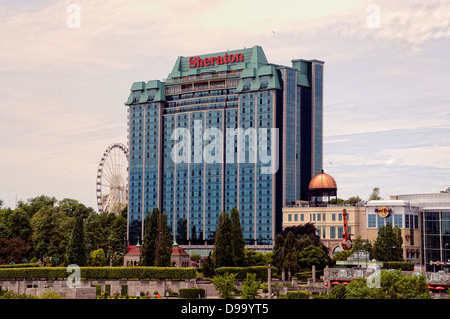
point(375, 220)
point(322, 231)
point(315, 217)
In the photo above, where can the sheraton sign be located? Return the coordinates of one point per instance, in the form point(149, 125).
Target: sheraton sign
point(196, 62)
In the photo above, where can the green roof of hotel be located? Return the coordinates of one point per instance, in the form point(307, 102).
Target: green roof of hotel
point(253, 58)
point(254, 65)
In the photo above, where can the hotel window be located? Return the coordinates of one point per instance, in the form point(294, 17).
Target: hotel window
point(332, 231)
point(247, 84)
point(372, 222)
point(264, 82)
point(302, 217)
point(340, 217)
point(323, 216)
point(318, 232)
point(289, 217)
point(323, 232)
point(296, 217)
point(333, 217)
point(398, 221)
point(406, 221)
point(314, 217)
point(340, 231)
point(318, 217)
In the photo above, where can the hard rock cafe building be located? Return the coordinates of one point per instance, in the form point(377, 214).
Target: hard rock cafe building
point(424, 221)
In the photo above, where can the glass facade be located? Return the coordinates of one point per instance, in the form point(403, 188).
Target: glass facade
point(197, 143)
point(436, 237)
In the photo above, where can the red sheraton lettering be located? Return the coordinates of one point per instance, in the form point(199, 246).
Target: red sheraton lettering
point(196, 62)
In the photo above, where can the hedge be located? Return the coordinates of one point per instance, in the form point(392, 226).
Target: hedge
point(298, 295)
point(20, 265)
point(260, 271)
point(191, 293)
point(403, 265)
point(103, 273)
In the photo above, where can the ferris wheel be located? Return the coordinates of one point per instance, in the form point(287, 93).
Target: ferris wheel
point(112, 175)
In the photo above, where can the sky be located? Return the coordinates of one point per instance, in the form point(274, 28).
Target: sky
point(66, 68)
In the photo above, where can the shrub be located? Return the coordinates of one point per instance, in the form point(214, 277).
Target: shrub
point(191, 293)
point(50, 294)
point(298, 295)
point(403, 265)
point(241, 272)
point(124, 290)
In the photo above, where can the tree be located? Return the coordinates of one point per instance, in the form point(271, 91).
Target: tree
point(19, 225)
point(208, 266)
point(92, 232)
point(51, 232)
point(300, 230)
point(117, 234)
point(33, 205)
point(342, 255)
point(157, 243)
point(225, 285)
point(98, 258)
point(393, 285)
point(223, 251)
point(358, 289)
point(13, 250)
point(338, 292)
point(359, 244)
point(353, 200)
point(255, 258)
point(76, 250)
point(163, 250)
point(313, 255)
point(388, 245)
point(237, 238)
point(375, 194)
point(250, 287)
point(149, 240)
point(278, 252)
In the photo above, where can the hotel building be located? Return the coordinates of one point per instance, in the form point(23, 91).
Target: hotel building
point(225, 130)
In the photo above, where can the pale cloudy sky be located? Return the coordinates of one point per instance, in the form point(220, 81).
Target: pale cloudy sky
point(62, 90)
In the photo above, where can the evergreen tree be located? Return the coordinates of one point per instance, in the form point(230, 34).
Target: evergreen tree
point(163, 249)
point(76, 250)
point(92, 234)
point(223, 251)
point(388, 245)
point(157, 243)
point(278, 252)
point(117, 234)
point(237, 238)
point(149, 240)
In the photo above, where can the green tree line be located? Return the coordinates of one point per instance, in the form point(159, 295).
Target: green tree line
point(61, 232)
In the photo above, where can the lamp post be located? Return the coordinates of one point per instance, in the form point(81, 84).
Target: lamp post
point(269, 280)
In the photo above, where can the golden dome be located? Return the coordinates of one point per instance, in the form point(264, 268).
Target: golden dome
point(322, 181)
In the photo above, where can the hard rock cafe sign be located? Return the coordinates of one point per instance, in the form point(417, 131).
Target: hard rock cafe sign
point(383, 211)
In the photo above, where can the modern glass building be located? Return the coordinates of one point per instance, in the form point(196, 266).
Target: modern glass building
point(225, 130)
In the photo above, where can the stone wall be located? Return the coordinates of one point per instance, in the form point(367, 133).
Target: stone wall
point(87, 289)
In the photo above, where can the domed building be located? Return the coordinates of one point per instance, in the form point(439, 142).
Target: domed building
point(322, 210)
point(322, 187)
